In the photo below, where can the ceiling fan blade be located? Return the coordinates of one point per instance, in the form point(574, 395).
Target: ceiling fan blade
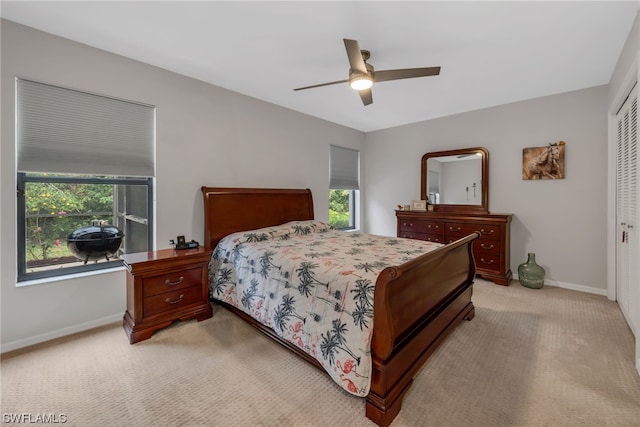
point(321, 84)
point(406, 73)
point(366, 96)
point(355, 56)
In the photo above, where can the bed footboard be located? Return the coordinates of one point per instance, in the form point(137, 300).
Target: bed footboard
point(416, 305)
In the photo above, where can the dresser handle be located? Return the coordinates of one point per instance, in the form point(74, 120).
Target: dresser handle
point(406, 224)
point(433, 227)
point(180, 298)
point(486, 232)
point(483, 246)
point(177, 282)
point(487, 262)
point(457, 229)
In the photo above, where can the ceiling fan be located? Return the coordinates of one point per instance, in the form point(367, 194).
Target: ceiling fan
point(362, 75)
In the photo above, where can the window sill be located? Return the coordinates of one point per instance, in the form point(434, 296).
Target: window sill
point(350, 230)
point(70, 276)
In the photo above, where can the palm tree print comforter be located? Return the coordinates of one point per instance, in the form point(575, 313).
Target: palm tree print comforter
point(313, 286)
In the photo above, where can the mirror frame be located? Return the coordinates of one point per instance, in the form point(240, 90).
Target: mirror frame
point(483, 207)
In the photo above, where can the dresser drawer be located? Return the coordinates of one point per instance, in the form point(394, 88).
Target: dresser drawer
point(455, 230)
point(411, 235)
point(487, 261)
point(484, 246)
point(434, 228)
point(172, 300)
point(437, 238)
point(171, 281)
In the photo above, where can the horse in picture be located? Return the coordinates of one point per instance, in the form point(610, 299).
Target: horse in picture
point(543, 162)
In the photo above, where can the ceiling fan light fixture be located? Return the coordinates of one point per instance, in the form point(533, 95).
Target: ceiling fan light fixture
point(362, 75)
point(360, 81)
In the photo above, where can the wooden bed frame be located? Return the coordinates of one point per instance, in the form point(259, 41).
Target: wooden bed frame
point(416, 304)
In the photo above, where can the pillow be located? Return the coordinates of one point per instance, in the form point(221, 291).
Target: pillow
point(281, 232)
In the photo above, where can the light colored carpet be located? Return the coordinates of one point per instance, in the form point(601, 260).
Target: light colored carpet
point(548, 357)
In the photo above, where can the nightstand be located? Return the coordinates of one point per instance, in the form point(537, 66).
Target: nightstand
point(164, 286)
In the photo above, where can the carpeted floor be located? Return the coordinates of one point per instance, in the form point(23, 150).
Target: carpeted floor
point(549, 357)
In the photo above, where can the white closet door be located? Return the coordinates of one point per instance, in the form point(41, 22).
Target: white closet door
point(627, 255)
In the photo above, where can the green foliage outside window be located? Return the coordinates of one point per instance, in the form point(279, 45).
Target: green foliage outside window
point(54, 210)
point(340, 209)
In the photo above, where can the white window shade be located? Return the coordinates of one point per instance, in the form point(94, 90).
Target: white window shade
point(344, 168)
point(68, 131)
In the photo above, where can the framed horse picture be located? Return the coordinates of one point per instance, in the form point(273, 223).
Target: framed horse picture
point(544, 162)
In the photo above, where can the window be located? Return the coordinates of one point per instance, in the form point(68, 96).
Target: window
point(342, 209)
point(83, 160)
point(343, 187)
point(52, 206)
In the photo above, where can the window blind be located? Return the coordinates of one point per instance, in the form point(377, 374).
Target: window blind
point(68, 131)
point(344, 164)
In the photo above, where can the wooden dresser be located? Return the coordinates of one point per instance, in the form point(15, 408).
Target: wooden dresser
point(491, 250)
point(163, 286)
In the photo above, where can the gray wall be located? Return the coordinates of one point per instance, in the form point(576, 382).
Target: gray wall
point(206, 135)
point(626, 70)
point(562, 221)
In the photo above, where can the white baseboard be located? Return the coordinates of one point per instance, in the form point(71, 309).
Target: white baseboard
point(573, 287)
point(37, 339)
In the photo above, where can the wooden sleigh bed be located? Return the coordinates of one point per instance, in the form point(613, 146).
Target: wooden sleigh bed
point(416, 304)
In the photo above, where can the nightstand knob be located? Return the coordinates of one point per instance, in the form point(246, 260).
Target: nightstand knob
point(177, 282)
point(175, 301)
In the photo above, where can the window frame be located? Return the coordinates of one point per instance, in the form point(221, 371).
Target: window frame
point(23, 178)
point(352, 211)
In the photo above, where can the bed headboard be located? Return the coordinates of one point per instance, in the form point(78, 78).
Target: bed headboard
point(228, 210)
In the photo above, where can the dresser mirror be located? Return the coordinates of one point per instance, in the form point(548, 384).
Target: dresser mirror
point(456, 180)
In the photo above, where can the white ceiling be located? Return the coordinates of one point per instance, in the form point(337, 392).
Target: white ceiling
point(491, 53)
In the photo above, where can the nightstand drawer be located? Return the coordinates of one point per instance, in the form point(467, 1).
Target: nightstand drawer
point(172, 300)
point(171, 281)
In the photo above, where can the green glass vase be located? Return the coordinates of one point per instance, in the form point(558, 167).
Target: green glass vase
point(530, 274)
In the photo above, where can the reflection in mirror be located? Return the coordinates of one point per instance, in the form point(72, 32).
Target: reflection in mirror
point(433, 181)
point(456, 180)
